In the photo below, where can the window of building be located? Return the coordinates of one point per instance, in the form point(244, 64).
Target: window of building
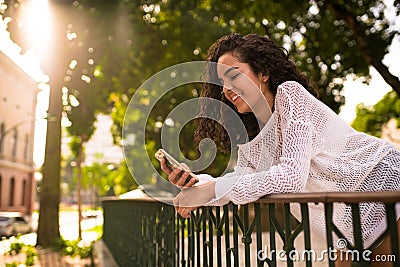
point(12, 189)
point(23, 192)
point(2, 130)
point(14, 140)
point(26, 146)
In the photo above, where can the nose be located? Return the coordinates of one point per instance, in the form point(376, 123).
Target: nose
point(227, 88)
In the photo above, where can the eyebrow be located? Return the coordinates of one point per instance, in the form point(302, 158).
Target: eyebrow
point(229, 70)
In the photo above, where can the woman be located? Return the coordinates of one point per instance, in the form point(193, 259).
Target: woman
point(297, 144)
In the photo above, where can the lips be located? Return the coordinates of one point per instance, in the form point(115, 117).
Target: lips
point(235, 97)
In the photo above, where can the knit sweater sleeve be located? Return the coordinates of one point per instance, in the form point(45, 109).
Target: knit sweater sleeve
point(290, 173)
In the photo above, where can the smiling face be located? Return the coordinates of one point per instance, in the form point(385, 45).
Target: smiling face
point(245, 89)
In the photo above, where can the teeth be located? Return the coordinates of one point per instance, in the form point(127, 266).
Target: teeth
point(236, 97)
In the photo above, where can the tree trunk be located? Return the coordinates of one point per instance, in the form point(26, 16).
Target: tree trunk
point(48, 228)
point(79, 189)
point(53, 63)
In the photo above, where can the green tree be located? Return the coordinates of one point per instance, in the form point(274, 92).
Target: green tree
point(371, 119)
point(328, 40)
point(100, 178)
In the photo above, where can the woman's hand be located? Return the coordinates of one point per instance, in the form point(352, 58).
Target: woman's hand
point(190, 199)
point(178, 177)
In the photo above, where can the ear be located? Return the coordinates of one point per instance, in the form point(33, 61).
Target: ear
point(264, 78)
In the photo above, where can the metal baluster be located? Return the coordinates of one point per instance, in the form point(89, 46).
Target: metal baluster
point(272, 229)
point(219, 234)
point(246, 239)
point(235, 237)
point(329, 229)
point(191, 237)
point(392, 225)
point(305, 221)
point(288, 245)
point(357, 233)
point(177, 237)
point(183, 224)
point(227, 236)
point(170, 241)
point(210, 237)
point(257, 218)
point(197, 221)
point(204, 231)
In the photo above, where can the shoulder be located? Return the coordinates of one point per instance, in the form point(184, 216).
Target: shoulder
point(293, 93)
point(293, 100)
point(293, 88)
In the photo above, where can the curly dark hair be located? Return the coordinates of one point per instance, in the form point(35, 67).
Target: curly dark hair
point(263, 56)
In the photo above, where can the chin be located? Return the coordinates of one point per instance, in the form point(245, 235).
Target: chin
point(243, 109)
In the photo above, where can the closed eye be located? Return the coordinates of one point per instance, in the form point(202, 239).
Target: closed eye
point(233, 77)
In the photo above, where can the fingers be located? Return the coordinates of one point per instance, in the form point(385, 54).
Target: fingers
point(181, 178)
point(185, 211)
point(191, 182)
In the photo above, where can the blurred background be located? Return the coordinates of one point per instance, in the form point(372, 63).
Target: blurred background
point(69, 69)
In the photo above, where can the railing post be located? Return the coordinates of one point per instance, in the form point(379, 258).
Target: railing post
point(235, 249)
point(204, 231)
point(219, 226)
point(394, 234)
point(357, 233)
point(210, 237)
point(191, 239)
point(182, 250)
point(289, 241)
point(246, 238)
point(257, 218)
point(227, 236)
point(329, 229)
point(272, 229)
point(305, 221)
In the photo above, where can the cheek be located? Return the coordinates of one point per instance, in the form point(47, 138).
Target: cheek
point(248, 89)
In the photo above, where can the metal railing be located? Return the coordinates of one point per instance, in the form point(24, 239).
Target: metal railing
point(145, 232)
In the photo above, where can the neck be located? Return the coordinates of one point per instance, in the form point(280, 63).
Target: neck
point(262, 113)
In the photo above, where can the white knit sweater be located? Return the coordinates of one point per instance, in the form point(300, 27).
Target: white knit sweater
point(306, 147)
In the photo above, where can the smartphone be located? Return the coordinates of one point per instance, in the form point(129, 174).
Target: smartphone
point(173, 163)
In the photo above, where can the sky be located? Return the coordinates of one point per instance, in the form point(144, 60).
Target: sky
point(354, 90)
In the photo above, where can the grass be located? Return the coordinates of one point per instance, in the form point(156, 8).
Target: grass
point(98, 229)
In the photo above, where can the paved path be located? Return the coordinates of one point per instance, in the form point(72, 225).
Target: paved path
point(48, 258)
point(52, 259)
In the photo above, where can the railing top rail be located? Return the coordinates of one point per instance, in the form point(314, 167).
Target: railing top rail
point(330, 197)
point(314, 197)
point(138, 199)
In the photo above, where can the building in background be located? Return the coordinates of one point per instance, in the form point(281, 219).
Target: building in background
point(18, 96)
point(101, 148)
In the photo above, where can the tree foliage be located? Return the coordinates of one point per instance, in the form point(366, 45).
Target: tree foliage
point(371, 119)
point(328, 40)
